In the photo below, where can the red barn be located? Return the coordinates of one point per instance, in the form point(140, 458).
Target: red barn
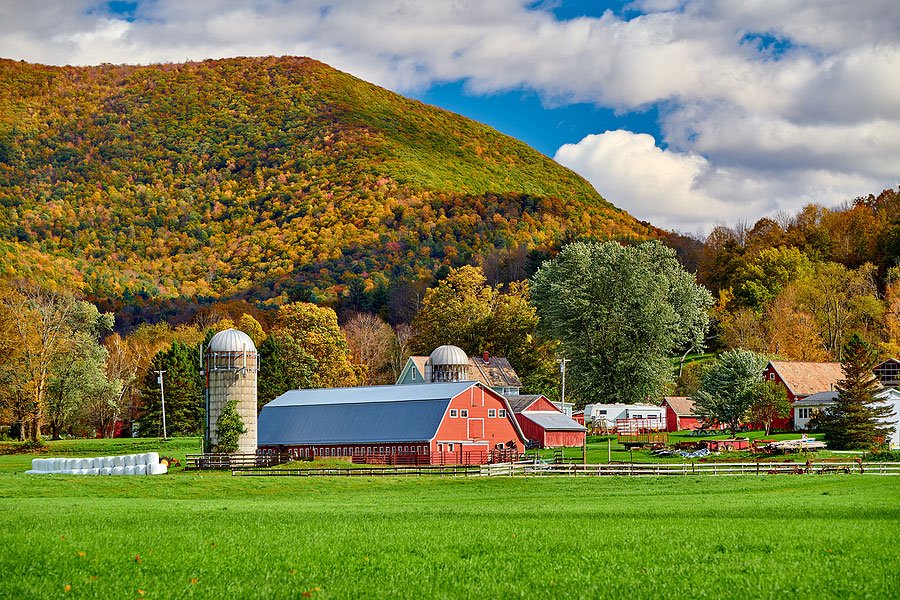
point(680, 414)
point(542, 422)
point(802, 379)
point(439, 423)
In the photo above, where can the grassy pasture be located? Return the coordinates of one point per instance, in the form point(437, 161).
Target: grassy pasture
point(199, 535)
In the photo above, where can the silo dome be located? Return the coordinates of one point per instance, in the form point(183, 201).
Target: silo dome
point(448, 355)
point(232, 340)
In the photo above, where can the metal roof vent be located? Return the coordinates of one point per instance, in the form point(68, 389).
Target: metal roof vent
point(448, 355)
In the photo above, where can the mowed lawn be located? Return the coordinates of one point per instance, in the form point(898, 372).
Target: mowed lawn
point(190, 535)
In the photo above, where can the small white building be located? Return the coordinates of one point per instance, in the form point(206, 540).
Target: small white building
point(607, 414)
point(805, 408)
point(565, 407)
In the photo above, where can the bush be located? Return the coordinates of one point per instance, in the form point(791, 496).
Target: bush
point(229, 429)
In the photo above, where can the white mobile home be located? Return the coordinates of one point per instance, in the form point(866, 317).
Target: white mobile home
point(607, 414)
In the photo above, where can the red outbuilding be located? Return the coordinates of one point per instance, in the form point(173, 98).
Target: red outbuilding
point(542, 422)
point(802, 379)
point(680, 414)
point(439, 423)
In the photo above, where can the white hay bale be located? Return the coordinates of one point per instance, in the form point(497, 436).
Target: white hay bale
point(119, 461)
point(106, 471)
point(37, 464)
point(140, 470)
point(129, 460)
point(152, 458)
point(158, 469)
point(129, 470)
point(118, 470)
point(93, 471)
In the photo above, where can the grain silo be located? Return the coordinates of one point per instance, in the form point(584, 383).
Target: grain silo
point(446, 364)
point(231, 369)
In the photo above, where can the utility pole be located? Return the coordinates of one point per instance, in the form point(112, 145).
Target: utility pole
point(162, 397)
point(562, 369)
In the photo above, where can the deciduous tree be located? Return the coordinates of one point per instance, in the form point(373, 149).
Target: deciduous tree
point(730, 387)
point(620, 312)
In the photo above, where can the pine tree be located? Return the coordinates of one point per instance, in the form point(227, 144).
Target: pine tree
point(183, 388)
point(857, 419)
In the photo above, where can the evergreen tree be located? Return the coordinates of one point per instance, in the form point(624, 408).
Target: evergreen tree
point(283, 365)
point(183, 387)
point(229, 429)
point(857, 418)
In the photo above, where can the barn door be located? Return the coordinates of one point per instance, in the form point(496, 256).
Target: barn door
point(476, 428)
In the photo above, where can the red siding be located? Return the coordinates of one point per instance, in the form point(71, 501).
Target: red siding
point(559, 439)
point(787, 423)
point(542, 404)
point(496, 430)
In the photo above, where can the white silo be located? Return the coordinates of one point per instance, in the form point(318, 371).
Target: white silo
point(231, 369)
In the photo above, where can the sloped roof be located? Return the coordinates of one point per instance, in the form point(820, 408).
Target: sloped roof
point(496, 372)
point(231, 340)
point(552, 420)
point(520, 403)
point(818, 399)
point(374, 414)
point(805, 378)
point(683, 407)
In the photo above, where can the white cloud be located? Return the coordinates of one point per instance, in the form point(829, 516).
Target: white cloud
point(801, 93)
point(685, 192)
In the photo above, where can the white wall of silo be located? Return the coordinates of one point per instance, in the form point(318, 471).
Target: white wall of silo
point(239, 385)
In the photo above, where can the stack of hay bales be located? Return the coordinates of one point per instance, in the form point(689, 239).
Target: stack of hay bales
point(129, 464)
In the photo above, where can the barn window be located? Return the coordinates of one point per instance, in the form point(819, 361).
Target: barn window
point(464, 413)
point(772, 376)
point(492, 413)
point(453, 412)
point(502, 413)
point(451, 447)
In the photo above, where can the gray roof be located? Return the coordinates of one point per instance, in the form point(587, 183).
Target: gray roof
point(521, 402)
point(819, 399)
point(552, 421)
point(376, 414)
point(231, 340)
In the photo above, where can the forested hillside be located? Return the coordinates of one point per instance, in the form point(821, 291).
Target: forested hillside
point(279, 178)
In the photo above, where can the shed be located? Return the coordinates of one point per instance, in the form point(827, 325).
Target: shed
point(543, 422)
point(680, 414)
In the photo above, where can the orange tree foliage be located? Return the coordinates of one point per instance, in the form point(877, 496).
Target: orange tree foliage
point(278, 177)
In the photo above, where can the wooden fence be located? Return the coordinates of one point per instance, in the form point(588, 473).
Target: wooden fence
point(684, 468)
point(233, 461)
point(539, 469)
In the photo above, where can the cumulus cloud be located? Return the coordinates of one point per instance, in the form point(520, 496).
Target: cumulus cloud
point(686, 192)
point(749, 93)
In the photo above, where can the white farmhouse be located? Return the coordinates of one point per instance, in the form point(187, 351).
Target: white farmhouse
point(805, 408)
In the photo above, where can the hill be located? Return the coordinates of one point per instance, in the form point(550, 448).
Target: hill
point(270, 177)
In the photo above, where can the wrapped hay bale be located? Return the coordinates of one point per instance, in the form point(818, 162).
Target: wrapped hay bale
point(140, 470)
point(158, 469)
point(152, 458)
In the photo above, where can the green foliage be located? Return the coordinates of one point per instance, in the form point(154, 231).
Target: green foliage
point(730, 387)
point(307, 330)
point(183, 389)
point(770, 403)
point(465, 311)
point(279, 177)
point(284, 365)
point(857, 418)
point(766, 274)
point(620, 312)
point(229, 429)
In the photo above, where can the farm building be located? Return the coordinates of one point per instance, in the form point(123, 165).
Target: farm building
point(802, 379)
point(450, 363)
point(440, 423)
point(542, 421)
point(606, 415)
point(805, 408)
point(680, 414)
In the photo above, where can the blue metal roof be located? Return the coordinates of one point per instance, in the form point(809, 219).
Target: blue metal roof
point(360, 415)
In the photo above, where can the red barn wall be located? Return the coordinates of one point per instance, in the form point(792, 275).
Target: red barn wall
point(786, 423)
point(558, 439)
point(476, 432)
point(542, 404)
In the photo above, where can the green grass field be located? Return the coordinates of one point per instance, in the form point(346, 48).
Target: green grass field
point(210, 535)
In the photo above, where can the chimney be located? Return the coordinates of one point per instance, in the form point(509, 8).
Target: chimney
point(486, 357)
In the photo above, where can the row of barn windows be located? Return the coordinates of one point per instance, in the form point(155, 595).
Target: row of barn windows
point(358, 450)
point(464, 413)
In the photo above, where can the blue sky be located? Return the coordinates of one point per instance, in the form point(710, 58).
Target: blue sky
point(686, 113)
